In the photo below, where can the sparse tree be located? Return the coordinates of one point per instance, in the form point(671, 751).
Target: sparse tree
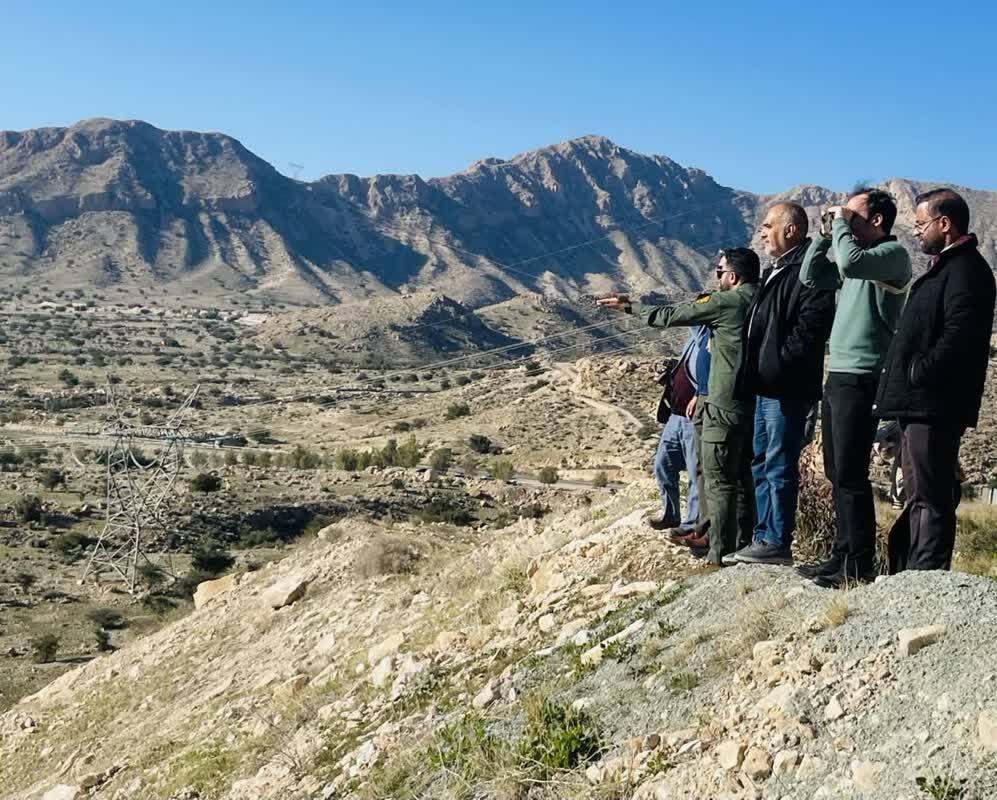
point(441, 459)
point(28, 508)
point(52, 478)
point(503, 469)
point(25, 580)
point(45, 647)
point(600, 480)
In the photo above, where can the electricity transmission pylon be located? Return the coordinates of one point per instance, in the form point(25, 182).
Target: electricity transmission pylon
point(137, 489)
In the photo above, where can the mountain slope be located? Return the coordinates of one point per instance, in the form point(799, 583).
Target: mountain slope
point(122, 210)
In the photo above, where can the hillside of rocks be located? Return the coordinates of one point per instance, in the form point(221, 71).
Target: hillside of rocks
point(577, 656)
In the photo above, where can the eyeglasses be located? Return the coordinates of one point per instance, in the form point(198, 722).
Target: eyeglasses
point(721, 271)
point(921, 227)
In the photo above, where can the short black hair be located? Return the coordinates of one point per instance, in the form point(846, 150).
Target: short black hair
point(743, 262)
point(946, 203)
point(879, 202)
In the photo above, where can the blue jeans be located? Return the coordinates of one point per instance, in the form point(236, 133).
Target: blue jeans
point(677, 452)
point(775, 468)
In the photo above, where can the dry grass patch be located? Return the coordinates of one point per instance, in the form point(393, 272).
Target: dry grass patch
point(388, 555)
point(837, 611)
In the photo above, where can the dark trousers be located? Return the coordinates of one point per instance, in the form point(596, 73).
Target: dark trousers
point(930, 458)
point(703, 523)
point(726, 443)
point(848, 430)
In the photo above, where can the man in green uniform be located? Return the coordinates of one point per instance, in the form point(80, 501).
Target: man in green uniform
point(727, 419)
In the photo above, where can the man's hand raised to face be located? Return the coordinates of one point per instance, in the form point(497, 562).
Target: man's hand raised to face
point(842, 211)
point(615, 302)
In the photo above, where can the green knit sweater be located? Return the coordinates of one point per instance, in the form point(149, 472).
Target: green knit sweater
point(873, 288)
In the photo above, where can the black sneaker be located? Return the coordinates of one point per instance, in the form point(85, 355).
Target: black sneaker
point(828, 567)
point(661, 524)
point(839, 580)
point(762, 553)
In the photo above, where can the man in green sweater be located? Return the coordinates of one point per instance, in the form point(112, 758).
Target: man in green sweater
point(727, 419)
point(871, 270)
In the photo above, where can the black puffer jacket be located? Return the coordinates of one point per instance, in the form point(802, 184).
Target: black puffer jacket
point(784, 339)
point(937, 363)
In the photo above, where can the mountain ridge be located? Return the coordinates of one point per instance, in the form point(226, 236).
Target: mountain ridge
point(109, 207)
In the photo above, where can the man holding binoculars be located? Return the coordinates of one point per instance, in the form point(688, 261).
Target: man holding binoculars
point(856, 255)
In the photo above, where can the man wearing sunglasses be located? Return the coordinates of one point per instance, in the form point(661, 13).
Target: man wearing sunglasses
point(727, 418)
point(933, 377)
point(856, 256)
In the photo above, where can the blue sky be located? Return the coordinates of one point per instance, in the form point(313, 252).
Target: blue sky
point(761, 96)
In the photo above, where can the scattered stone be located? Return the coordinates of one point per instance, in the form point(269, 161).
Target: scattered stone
point(834, 710)
point(388, 647)
point(285, 592)
point(783, 699)
point(865, 774)
point(911, 640)
point(757, 764)
point(633, 589)
point(546, 623)
point(654, 789)
point(785, 762)
point(62, 792)
point(486, 696)
point(208, 590)
point(380, 675)
point(292, 686)
point(592, 656)
point(986, 730)
point(730, 753)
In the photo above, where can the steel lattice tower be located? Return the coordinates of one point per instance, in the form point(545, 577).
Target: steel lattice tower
point(137, 491)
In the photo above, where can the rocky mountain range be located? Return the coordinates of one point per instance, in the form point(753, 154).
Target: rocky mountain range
point(121, 209)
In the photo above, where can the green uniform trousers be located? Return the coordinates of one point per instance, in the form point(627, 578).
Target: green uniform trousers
point(726, 461)
point(703, 523)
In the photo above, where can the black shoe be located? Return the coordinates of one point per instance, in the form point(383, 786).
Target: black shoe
point(662, 524)
point(827, 568)
point(839, 580)
point(699, 552)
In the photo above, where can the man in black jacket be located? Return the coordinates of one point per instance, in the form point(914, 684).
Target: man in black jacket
point(783, 369)
point(933, 377)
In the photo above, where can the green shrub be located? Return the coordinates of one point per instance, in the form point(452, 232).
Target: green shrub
point(152, 575)
point(103, 639)
point(457, 410)
point(347, 459)
point(441, 459)
point(503, 469)
point(548, 475)
point(51, 478)
point(441, 509)
point(71, 545)
point(601, 480)
point(211, 561)
point(25, 580)
point(557, 738)
point(107, 618)
point(45, 647)
point(205, 482)
point(480, 444)
point(28, 508)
